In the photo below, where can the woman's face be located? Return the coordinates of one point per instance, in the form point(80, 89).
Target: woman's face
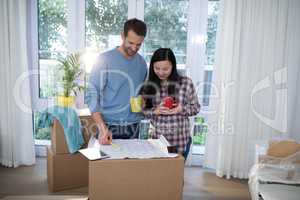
point(162, 69)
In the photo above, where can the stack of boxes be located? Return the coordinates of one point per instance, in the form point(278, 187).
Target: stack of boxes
point(115, 179)
point(66, 170)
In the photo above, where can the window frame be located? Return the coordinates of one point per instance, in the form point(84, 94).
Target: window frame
point(76, 39)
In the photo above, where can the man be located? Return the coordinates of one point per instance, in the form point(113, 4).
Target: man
point(115, 78)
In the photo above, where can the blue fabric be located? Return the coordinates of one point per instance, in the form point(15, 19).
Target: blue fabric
point(124, 132)
point(113, 80)
point(70, 122)
point(187, 149)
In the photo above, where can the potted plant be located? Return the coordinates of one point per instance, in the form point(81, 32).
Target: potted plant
point(70, 71)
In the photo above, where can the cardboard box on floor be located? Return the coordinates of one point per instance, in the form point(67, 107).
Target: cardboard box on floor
point(136, 179)
point(66, 171)
point(58, 140)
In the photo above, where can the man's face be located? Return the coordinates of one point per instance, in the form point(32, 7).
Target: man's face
point(131, 43)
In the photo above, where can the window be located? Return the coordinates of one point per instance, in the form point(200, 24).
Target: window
point(167, 27)
point(52, 36)
point(199, 136)
point(207, 87)
point(212, 23)
point(104, 23)
point(200, 127)
point(101, 22)
point(52, 43)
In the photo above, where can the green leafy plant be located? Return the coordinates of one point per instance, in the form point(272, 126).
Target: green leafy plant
point(71, 72)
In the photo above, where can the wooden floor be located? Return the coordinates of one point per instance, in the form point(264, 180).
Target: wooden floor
point(200, 184)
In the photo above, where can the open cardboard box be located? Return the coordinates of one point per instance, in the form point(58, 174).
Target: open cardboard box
point(132, 179)
point(58, 140)
point(66, 171)
point(136, 179)
point(158, 176)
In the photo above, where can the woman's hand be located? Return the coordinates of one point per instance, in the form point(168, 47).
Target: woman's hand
point(162, 110)
point(177, 108)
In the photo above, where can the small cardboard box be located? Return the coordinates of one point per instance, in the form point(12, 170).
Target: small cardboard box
point(283, 148)
point(66, 171)
point(136, 179)
point(58, 140)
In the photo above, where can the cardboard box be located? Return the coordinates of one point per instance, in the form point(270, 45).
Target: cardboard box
point(89, 127)
point(136, 179)
point(66, 171)
point(58, 140)
point(283, 148)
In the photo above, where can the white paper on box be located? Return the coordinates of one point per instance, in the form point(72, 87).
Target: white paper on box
point(131, 148)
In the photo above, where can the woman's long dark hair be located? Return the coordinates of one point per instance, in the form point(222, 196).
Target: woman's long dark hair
point(153, 84)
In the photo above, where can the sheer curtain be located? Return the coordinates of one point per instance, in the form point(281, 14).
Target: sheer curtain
point(293, 59)
point(257, 51)
point(197, 21)
point(16, 132)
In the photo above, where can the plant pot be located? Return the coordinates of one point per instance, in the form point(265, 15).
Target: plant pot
point(65, 101)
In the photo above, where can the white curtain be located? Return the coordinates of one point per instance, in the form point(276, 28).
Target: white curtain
point(197, 21)
point(257, 48)
point(293, 59)
point(294, 103)
point(16, 132)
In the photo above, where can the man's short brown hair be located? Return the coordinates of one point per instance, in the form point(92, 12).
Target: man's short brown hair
point(136, 25)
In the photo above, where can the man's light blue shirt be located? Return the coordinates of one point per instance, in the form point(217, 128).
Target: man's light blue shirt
point(113, 80)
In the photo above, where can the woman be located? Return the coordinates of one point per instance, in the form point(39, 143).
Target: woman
point(169, 101)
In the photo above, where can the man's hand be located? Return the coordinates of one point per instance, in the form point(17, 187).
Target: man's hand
point(105, 137)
